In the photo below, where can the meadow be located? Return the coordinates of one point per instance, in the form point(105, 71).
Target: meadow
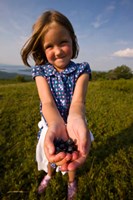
point(108, 171)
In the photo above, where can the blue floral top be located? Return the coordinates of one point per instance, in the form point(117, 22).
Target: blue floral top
point(62, 84)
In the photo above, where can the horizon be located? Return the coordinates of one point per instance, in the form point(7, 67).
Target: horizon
point(22, 69)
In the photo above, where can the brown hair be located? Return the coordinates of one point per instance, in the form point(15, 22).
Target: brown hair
point(34, 45)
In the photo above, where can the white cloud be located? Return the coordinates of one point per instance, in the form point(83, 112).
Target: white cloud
point(121, 42)
point(99, 22)
point(105, 16)
point(15, 25)
point(126, 2)
point(126, 53)
point(110, 8)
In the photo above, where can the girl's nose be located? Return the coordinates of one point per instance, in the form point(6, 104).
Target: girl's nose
point(58, 51)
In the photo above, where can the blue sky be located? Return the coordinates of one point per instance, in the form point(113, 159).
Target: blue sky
point(104, 29)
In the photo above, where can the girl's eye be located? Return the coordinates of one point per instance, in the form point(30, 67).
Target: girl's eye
point(48, 47)
point(64, 41)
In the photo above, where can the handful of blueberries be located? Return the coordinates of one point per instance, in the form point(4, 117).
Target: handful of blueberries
point(68, 146)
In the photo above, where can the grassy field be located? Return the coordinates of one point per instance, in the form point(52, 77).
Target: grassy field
point(108, 171)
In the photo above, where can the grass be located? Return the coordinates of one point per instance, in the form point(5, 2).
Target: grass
point(107, 173)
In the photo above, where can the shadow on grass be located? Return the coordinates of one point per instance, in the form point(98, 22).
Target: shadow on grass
point(113, 144)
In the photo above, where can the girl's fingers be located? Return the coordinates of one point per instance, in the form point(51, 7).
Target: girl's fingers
point(76, 163)
point(57, 157)
point(67, 158)
point(84, 145)
point(64, 167)
point(75, 155)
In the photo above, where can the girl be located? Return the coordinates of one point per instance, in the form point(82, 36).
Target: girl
point(62, 86)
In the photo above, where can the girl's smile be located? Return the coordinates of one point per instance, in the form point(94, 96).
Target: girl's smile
point(58, 46)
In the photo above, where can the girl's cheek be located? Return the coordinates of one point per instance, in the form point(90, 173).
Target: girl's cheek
point(68, 50)
point(48, 54)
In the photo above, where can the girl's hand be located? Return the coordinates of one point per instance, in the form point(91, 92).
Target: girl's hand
point(56, 130)
point(78, 131)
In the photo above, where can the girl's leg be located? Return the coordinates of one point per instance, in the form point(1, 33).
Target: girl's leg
point(72, 185)
point(44, 183)
point(71, 176)
point(50, 170)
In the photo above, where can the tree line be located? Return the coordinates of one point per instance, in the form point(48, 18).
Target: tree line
point(120, 72)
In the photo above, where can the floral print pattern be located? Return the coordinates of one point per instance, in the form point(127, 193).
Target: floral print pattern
point(62, 84)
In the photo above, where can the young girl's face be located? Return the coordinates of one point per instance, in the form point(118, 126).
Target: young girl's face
point(58, 46)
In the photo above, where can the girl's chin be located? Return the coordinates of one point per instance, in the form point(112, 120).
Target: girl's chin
point(60, 66)
point(60, 69)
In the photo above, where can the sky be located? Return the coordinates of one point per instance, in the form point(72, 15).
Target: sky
point(104, 29)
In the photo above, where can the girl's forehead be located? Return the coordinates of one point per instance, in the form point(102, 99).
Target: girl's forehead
point(57, 28)
point(55, 25)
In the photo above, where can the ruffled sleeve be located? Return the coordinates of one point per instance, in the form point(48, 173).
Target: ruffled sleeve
point(83, 68)
point(37, 71)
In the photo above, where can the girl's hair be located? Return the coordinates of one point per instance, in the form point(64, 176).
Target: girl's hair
point(34, 45)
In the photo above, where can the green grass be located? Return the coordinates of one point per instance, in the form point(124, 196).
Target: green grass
point(107, 173)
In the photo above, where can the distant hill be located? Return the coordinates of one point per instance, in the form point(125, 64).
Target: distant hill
point(8, 75)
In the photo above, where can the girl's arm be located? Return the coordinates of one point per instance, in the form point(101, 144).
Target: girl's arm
point(49, 109)
point(77, 107)
point(56, 124)
point(76, 122)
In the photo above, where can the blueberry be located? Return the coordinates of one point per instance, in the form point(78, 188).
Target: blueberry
point(70, 141)
point(64, 146)
point(70, 149)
